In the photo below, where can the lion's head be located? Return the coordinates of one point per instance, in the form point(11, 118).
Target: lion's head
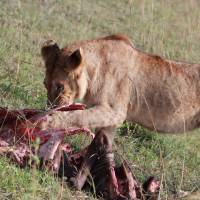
point(65, 79)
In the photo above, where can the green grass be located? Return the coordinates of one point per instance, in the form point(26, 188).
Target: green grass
point(25, 184)
point(167, 28)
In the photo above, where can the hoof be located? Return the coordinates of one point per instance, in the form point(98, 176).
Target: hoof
point(75, 183)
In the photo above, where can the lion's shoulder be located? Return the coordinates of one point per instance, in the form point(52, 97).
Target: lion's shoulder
point(119, 37)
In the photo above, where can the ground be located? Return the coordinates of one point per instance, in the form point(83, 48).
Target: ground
point(167, 28)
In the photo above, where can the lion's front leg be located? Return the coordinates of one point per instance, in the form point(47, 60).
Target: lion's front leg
point(95, 117)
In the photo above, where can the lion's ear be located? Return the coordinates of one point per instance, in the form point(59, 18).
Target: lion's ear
point(74, 61)
point(50, 51)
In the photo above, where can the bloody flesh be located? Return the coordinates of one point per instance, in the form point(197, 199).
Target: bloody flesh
point(19, 127)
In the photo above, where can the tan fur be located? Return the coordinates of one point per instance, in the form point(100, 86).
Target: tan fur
point(119, 82)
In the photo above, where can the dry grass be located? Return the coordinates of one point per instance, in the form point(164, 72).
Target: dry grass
point(170, 28)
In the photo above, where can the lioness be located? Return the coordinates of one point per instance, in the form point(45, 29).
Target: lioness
point(119, 82)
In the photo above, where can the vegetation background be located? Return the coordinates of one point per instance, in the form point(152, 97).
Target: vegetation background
point(170, 28)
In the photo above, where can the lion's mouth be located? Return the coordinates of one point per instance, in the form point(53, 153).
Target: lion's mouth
point(59, 101)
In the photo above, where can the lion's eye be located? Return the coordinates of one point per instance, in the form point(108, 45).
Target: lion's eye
point(59, 87)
